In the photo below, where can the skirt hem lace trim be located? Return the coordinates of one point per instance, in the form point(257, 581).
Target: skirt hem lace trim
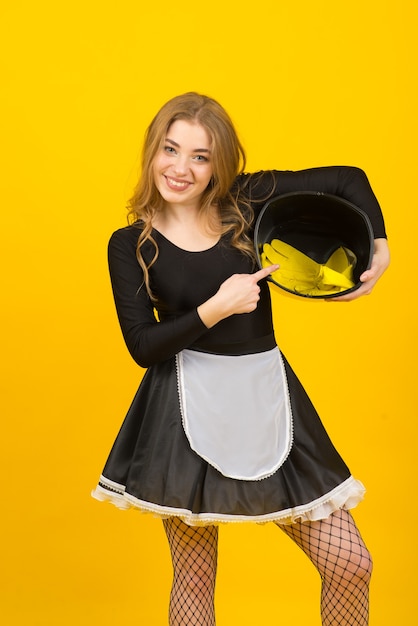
point(345, 496)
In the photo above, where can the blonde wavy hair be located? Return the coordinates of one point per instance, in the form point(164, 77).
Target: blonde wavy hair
point(227, 158)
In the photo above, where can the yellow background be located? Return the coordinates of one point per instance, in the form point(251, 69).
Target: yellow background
point(307, 83)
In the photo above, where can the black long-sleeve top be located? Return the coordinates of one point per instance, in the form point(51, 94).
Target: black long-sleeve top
point(182, 280)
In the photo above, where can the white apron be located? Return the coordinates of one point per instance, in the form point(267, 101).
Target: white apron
point(236, 411)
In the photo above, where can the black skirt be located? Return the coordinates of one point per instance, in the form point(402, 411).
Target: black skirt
point(152, 467)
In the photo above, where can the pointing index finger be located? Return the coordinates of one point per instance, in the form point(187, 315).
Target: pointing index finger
point(264, 272)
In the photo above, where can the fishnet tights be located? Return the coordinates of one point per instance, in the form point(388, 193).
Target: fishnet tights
point(335, 547)
point(194, 552)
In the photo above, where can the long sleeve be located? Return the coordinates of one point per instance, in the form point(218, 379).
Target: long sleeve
point(148, 340)
point(350, 183)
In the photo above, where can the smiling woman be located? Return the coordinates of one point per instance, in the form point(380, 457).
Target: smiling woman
point(182, 172)
point(213, 130)
point(221, 429)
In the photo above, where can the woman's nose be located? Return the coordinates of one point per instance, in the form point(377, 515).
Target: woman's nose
point(181, 165)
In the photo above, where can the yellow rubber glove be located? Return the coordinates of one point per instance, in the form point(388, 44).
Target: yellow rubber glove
point(301, 274)
point(342, 261)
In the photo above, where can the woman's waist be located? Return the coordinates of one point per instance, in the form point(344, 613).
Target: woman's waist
point(251, 345)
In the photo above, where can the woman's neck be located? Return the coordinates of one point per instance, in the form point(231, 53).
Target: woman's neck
point(188, 229)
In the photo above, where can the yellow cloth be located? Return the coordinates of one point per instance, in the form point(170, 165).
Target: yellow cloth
point(301, 274)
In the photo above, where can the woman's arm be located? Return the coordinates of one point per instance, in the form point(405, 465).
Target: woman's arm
point(150, 341)
point(147, 340)
point(350, 183)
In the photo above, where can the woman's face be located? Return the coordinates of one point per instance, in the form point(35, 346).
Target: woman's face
point(183, 166)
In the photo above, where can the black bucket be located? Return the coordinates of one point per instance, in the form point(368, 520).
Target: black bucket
point(316, 224)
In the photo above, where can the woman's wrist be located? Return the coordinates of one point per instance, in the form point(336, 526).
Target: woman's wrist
point(210, 312)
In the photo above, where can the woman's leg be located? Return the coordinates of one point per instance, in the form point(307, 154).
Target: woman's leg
point(337, 550)
point(194, 553)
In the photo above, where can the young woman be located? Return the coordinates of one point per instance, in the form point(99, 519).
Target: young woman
point(221, 430)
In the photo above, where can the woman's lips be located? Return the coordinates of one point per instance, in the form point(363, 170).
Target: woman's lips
point(177, 185)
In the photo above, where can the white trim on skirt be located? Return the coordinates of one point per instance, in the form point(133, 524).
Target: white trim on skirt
point(345, 496)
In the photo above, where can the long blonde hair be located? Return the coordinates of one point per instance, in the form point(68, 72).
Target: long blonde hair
point(228, 160)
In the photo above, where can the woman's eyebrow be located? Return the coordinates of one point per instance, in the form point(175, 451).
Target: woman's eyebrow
point(176, 145)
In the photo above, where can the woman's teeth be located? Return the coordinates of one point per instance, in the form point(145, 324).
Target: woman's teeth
point(178, 184)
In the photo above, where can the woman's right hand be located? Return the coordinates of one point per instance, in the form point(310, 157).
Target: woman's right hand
point(239, 293)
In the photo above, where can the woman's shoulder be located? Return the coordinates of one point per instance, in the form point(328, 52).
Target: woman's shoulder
point(126, 234)
point(257, 186)
point(124, 241)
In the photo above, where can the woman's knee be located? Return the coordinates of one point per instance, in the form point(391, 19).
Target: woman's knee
point(198, 578)
point(350, 567)
point(361, 565)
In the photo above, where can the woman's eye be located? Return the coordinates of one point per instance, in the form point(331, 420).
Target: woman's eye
point(169, 149)
point(201, 158)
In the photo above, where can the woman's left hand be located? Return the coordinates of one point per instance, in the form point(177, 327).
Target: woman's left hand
point(369, 278)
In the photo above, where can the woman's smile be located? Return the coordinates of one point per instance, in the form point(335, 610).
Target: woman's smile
point(178, 185)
